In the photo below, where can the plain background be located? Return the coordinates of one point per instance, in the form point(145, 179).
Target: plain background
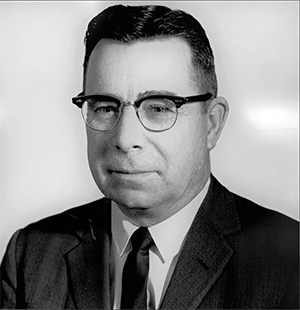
point(43, 160)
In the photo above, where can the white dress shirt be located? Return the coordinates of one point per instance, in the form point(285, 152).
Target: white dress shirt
point(168, 237)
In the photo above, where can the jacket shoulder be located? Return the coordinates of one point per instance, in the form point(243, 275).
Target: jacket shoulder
point(34, 269)
point(60, 229)
point(251, 213)
point(268, 228)
point(259, 227)
point(70, 219)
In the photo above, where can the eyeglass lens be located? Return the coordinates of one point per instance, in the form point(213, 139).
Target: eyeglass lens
point(155, 114)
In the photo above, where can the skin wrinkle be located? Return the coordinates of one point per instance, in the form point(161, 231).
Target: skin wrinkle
point(179, 157)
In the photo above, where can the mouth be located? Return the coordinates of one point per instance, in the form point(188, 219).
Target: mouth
point(129, 172)
point(133, 179)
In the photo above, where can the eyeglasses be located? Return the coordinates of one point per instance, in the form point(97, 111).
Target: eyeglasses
point(155, 112)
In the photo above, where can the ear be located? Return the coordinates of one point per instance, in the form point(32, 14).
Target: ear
point(217, 114)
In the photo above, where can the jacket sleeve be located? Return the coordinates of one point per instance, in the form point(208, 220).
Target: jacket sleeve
point(9, 275)
point(290, 298)
point(291, 295)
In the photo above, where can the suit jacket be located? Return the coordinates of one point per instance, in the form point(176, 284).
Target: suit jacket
point(237, 255)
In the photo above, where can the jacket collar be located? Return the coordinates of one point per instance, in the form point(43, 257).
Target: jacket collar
point(88, 262)
point(202, 260)
point(205, 252)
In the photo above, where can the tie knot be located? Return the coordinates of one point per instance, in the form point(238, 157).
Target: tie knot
point(141, 239)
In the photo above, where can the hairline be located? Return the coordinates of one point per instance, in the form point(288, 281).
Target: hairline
point(196, 74)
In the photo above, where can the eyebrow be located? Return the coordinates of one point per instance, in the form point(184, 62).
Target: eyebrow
point(142, 94)
point(155, 92)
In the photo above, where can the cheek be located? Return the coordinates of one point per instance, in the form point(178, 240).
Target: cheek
point(92, 144)
point(97, 148)
point(185, 149)
point(96, 145)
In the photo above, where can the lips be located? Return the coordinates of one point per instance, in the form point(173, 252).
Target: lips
point(135, 178)
point(123, 171)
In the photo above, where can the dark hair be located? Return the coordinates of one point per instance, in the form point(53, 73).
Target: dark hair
point(133, 23)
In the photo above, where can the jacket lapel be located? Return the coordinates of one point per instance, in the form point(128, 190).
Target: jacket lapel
point(205, 252)
point(88, 262)
point(204, 255)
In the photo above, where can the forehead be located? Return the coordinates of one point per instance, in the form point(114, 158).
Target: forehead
point(143, 65)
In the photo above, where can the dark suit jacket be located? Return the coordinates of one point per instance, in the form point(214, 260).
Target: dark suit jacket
point(237, 255)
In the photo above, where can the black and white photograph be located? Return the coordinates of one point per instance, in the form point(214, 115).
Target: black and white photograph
point(149, 154)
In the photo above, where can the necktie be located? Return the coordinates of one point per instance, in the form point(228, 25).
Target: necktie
point(135, 272)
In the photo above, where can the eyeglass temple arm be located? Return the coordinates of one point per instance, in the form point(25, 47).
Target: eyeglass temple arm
point(77, 101)
point(201, 98)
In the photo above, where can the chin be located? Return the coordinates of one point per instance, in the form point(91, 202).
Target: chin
point(143, 208)
point(130, 200)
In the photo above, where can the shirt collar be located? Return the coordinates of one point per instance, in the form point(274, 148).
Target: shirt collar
point(167, 235)
point(122, 229)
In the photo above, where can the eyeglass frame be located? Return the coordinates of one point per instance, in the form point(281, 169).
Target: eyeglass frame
point(177, 100)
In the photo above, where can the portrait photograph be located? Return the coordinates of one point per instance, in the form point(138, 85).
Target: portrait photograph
point(154, 116)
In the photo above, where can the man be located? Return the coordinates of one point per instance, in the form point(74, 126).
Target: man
point(152, 115)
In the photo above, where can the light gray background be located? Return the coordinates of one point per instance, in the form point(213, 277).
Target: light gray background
point(43, 160)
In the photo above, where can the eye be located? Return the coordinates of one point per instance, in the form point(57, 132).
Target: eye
point(159, 106)
point(106, 109)
point(101, 106)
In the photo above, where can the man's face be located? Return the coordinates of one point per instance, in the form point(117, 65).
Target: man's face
point(150, 175)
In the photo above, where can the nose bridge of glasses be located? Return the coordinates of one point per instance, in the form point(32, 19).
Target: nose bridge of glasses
point(127, 104)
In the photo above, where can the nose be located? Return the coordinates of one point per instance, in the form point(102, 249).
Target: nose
point(129, 134)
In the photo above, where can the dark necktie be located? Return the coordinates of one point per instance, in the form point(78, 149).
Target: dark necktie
point(135, 272)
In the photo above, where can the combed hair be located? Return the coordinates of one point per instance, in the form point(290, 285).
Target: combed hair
point(129, 24)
